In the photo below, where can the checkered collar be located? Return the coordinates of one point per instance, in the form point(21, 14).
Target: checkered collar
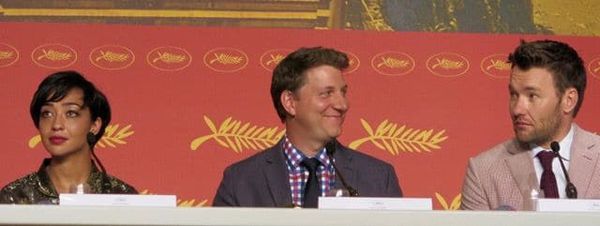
point(295, 156)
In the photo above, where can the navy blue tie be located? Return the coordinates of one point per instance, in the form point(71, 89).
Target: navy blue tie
point(311, 190)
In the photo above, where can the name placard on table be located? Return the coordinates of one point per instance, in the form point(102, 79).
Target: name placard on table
point(364, 203)
point(117, 200)
point(568, 205)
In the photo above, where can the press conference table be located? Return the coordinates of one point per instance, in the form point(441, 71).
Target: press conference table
point(61, 215)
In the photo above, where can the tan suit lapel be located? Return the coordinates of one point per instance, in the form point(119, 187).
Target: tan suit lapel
point(521, 168)
point(583, 162)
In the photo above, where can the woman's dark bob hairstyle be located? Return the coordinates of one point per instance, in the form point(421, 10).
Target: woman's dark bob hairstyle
point(57, 85)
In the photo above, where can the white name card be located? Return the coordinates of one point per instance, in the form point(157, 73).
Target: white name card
point(364, 203)
point(568, 205)
point(117, 200)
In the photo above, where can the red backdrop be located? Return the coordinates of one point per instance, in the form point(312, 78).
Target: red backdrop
point(188, 101)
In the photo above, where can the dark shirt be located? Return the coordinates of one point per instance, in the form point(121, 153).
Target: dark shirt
point(37, 188)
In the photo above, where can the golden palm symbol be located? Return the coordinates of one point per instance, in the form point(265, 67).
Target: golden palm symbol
point(454, 205)
point(232, 134)
point(391, 62)
point(388, 136)
point(6, 55)
point(110, 56)
point(498, 65)
point(223, 58)
point(275, 59)
point(169, 58)
point(54, 55)
point(598, 68)
point(112, 136)
point(447, 64)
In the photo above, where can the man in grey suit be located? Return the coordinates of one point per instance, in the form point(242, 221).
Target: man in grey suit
point(309, 94)
point(547, 85)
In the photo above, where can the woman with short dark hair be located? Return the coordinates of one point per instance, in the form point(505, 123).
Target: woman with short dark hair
point(71, 116)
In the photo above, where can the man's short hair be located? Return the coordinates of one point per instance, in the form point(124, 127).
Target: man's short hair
point(290, 72)
point(560, 59)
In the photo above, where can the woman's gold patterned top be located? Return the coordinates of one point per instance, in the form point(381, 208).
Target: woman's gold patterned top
point(37, 188)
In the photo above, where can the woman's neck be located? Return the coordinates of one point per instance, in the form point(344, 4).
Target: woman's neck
point(66, 172)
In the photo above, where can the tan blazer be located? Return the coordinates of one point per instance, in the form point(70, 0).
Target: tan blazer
point(503, 177)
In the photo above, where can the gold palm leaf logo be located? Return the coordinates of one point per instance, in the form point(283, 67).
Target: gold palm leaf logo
point(54, 55)
point(235, 135)
point(223, 58)
point(6, 55)
point(448, 64)
point(112, 136)
point(110, 56)
point(597, 69)
point(498, 65)
point(454, 205)
point(181, 202)
point(392, 138)
point(391, 62)
point(275, 59)
point(169, 58)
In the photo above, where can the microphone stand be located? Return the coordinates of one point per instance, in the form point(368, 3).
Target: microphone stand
point(330, 148)
point(570, 189)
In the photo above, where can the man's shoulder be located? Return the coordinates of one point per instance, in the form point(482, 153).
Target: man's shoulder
point(363, 158)
point(587, 135)
point(257, 159)
point(497, 152)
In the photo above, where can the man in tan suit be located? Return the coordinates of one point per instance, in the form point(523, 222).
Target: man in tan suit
point(547, 85)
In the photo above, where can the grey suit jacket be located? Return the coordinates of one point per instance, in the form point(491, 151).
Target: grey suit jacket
point(262, 180)
point(504, 175)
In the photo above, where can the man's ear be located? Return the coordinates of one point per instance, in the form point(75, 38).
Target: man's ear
point(288, 100)
point(569, 100)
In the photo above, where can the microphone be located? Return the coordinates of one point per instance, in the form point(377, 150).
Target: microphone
point(330, 148)
point(570, 189)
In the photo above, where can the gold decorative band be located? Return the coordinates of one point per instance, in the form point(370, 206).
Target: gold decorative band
point(167, 13)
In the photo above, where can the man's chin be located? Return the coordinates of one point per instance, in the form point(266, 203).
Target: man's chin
point(523, 138)
point(334, 133)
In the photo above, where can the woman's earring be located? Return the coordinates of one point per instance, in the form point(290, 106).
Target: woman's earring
point(91, 138)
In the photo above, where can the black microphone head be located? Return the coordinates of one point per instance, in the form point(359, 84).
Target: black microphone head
point(555, 147)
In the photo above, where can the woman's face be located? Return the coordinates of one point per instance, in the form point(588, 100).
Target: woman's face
point(64, 125)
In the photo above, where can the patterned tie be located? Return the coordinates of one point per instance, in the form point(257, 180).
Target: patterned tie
point(311, 190)
point(548, 181)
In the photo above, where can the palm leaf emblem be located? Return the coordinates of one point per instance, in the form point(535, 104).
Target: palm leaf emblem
point(112, 137)
point(235, 135)
point(455, 205)
point(394, 139)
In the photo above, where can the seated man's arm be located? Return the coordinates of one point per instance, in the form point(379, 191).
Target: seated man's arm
point(393, 187)
point(473, 194)
point(225, 194)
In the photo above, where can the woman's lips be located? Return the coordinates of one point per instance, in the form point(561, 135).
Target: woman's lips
point(57, 140)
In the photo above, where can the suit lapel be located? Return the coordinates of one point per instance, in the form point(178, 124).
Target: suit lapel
point(521, 169)
point(277, 177)
point(583, 161)
point(343, 161)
